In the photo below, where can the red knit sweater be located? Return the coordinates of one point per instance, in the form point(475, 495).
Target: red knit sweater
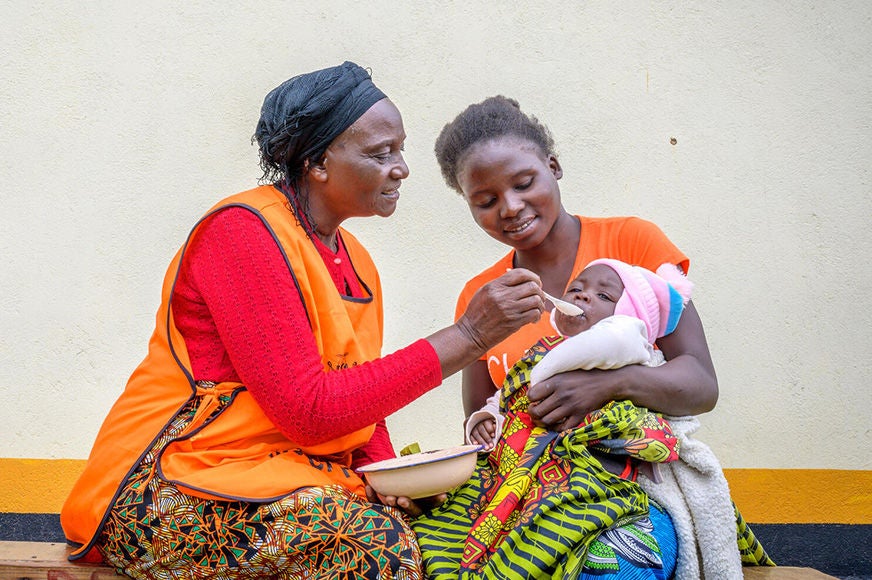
point(237, 307)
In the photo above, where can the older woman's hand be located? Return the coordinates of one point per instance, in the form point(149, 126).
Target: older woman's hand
point(502, 306)
point(413, 508)
point(497, 309)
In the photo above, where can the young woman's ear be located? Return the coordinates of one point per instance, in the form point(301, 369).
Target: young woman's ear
point(554, 164)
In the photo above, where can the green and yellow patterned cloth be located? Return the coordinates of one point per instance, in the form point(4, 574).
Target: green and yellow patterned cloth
point(536, 502)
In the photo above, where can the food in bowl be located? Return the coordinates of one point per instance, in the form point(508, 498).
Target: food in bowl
point(422, 474)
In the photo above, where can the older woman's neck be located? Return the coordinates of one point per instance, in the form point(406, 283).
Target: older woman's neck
point(329, 239)
point(321, 222)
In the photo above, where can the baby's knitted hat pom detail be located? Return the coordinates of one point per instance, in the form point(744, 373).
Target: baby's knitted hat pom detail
point(674, 276)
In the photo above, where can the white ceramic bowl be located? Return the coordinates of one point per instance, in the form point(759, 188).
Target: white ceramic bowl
point(422, 474)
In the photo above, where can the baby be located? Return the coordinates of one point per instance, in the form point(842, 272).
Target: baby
point(626, 309)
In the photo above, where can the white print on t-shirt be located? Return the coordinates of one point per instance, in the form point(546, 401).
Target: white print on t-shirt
point(492, 359)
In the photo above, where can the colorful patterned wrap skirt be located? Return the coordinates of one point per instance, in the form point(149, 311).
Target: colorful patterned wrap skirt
point(156, 531)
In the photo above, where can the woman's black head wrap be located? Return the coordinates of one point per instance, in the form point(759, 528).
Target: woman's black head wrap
point(302, 116)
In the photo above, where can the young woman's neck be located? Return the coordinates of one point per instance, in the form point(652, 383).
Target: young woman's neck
point(554, 258)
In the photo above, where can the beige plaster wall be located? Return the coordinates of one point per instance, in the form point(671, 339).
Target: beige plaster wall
point(123, 121)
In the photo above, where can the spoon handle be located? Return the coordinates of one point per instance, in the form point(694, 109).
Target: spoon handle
point(563, 306)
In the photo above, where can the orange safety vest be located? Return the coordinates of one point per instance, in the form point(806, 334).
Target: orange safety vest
point(239, 454)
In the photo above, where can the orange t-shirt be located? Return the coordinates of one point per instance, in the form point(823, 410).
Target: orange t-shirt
point(630, 239)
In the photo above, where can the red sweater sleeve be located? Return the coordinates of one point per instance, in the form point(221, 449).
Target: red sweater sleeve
point(243, 319)
point(377, 448)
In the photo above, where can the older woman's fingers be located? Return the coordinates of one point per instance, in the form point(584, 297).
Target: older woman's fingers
point(411, 507)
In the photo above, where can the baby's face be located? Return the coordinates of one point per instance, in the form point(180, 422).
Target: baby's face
point(596, 291)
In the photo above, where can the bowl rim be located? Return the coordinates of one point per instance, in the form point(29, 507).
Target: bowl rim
point(461, 450)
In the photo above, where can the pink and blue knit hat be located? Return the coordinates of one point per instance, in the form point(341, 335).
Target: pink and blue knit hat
point(657, 299)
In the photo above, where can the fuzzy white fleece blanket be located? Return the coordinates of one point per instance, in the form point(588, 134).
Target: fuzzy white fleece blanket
point(696, 495)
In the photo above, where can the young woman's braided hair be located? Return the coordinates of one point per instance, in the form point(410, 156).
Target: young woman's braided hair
point(493, 118)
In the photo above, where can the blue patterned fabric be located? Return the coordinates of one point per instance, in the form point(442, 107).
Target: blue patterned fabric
point(646, 549)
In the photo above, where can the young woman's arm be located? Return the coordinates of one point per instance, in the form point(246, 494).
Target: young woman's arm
point(685, 385)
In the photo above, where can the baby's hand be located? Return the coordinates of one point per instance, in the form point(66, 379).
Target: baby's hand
point(484, 433)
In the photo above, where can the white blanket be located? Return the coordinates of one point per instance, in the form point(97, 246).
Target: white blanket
point(696, 495)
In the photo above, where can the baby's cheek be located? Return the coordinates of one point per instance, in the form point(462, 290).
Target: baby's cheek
point(559, 321)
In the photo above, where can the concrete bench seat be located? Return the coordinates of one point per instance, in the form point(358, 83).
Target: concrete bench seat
point(45, 560)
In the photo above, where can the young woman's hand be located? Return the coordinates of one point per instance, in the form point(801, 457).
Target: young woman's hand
point(563, 400)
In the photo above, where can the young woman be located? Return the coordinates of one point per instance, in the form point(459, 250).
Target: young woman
point(503, 164)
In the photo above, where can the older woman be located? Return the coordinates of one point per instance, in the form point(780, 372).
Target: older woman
point(232, 451)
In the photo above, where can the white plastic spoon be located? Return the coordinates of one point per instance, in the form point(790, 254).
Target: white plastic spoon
point(565, 307)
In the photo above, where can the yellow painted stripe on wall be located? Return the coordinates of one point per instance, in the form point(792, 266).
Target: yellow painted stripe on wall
point(37, 485)
point(764, 496)
point(802, 496)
